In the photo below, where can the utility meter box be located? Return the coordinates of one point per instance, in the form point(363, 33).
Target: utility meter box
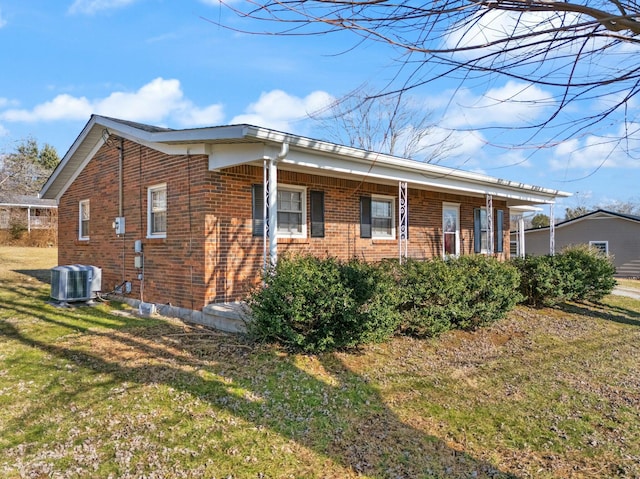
point(118, 225)
point(138, 262)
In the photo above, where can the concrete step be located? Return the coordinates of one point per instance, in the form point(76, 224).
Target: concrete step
point(229, 317)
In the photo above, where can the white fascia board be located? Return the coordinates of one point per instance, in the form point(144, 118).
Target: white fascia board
point(27, 205)
point(331, 150)
point(415, 173)
point(525, 209)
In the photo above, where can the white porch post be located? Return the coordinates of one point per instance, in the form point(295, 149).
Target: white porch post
point(403, 220)
point(265, 219)
point(273, 211)
point(521, 247)
point(489, 224)
point(29, 219)
point(552, 231)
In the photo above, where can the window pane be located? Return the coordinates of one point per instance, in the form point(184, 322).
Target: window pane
point(381, 208)
point(84, 229)
point(159, 222)
point(85, 217)
point(483, 241)
point(158, 210)
point(290, 218)
point(381, 217)
point(381, 226)
point(85, 211)
point(289, 222)
point(158, 200)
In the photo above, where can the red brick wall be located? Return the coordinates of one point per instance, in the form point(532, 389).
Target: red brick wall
point(210, 254)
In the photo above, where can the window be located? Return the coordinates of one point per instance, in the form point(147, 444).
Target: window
point(157, 211)
point(292, 221)
point(602, 246)
point(451, 229)
point(85, 216)
point(377, 217)
point(481, 231)
point(292, 207)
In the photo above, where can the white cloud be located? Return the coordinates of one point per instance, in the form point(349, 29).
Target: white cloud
point(157, 101)
point(91, 7)
point(619, 149)
point(193, 116)
point(495, 26)
point(3, 22)
point(514, 103)
point(278, 110)
point(61, 107)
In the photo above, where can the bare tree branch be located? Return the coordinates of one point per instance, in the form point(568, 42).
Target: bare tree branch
point(573, 48)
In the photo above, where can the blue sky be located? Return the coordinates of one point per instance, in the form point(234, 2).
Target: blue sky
point(161, 62)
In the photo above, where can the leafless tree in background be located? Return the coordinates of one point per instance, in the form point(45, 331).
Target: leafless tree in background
point(579, 51)
point(392, 124)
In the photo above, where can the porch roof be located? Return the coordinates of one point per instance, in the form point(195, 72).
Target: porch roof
point(232, 145)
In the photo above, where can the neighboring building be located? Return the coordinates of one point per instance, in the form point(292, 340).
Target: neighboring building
point(613, 233)
point(27, 213)
point(198, 199)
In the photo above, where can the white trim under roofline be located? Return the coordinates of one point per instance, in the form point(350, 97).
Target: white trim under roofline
point(324, 155)
point(28, 205)
point(239, 132)
point(355, 154)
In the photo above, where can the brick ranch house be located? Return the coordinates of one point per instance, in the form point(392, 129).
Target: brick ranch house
point(198, 200)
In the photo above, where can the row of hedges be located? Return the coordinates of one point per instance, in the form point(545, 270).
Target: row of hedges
point(314, 305)
point(578, 273)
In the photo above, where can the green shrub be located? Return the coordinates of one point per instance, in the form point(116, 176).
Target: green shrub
point(462, 293)
point(542, 282)
point(578, 273)
point(490, 289)
point(589, 272)
point(375, 316)
point(316, 305)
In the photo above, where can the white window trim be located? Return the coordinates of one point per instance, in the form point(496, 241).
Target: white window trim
point(592, 244)
point(81, 204)
point(150, 189)
point(455, 206)
point(392, 199)
point(303, 191)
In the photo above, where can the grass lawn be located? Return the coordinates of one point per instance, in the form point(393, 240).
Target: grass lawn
point(98, 392)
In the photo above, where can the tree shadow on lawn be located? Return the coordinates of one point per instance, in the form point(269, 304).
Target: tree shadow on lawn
point(339, 415)
point(604, 311)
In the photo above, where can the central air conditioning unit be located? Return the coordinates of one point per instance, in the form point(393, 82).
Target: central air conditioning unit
point(76, 282)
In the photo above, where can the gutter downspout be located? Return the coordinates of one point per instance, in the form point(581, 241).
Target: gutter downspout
point(273, 205)
point(120, 179)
